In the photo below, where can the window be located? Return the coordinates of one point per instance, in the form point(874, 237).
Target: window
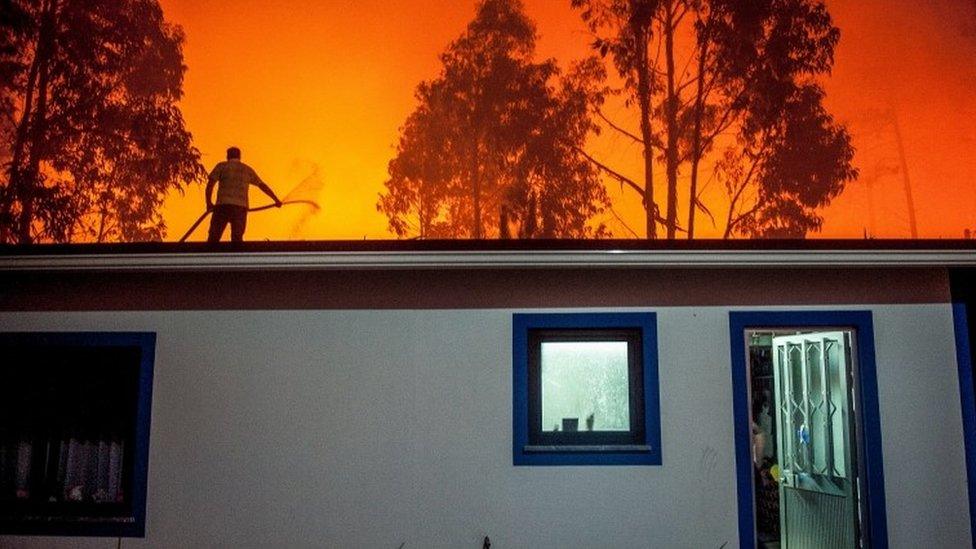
point(74, 433)
point(586, 389)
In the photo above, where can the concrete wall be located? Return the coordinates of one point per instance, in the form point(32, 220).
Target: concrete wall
point(376, 428)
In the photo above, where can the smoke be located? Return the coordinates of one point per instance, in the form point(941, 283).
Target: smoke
point(902, 83)
point(310, 190)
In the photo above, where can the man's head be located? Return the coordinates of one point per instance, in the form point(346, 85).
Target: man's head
point(233, 153)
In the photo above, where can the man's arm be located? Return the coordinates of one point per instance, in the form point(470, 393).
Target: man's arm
point(211, 181)
point(266, 189)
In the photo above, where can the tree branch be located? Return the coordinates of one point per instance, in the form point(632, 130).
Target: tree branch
point(731, 223)
point(614, 126)
point(622, 222)
point(626, 181)
point(611, 172)
point(679, 15)
point(740, 217)
point(704, 209)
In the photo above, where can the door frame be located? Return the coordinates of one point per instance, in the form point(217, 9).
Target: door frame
point(963, 315)
point(869, 438)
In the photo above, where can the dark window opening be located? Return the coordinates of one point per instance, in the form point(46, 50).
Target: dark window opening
point(73, 433)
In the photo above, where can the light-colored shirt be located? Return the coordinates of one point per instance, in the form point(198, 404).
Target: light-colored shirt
point(234, 178)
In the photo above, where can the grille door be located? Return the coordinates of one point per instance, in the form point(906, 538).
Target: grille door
point(815, 442)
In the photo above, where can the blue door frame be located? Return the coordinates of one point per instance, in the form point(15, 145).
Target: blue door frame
point(964, 355)
point(962, 282)
point(871, 459)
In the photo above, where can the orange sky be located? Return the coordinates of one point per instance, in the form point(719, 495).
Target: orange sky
point(318, 89)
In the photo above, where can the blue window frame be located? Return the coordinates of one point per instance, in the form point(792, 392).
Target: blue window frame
point(635, 436)
point(74, 432)
point(871, 467)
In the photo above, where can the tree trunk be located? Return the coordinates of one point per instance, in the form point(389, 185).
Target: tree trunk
point(910, 202)
point(101, 226)
point(29, 178)
point(671, 119)
point(23, 127)
point(421, 216)
point(475, 192)
point(696, 144)
point(644, 101)
point(15, 173)
point(531, 221)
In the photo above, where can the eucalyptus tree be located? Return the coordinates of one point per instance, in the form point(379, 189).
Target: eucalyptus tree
point(92, 136)
point(732, 82)
point(496, 140)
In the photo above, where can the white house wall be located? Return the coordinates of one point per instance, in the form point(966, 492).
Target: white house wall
point(382, 427)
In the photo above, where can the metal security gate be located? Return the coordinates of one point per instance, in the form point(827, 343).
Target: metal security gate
point(815, 440)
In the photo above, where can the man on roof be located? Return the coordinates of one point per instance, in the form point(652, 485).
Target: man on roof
point(234, 178)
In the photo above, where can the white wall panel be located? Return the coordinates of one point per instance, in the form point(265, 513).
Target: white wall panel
point(376, 428)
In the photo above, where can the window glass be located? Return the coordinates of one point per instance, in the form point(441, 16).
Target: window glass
point(585, 386)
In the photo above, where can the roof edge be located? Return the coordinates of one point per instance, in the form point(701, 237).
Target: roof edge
point(489, 259)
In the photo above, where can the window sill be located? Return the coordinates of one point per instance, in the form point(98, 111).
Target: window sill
point(602, 449)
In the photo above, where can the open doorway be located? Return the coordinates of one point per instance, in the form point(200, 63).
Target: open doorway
point(805, 471)
point(803, 448)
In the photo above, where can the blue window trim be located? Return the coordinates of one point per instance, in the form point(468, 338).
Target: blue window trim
point(862, 323)
point(647, 323)
point(968, 404)
point(146, 341)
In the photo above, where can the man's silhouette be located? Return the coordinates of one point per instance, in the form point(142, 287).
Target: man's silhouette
point(235, 178)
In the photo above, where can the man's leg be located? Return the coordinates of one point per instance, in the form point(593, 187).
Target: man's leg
point(238, 222)
point(218, 222)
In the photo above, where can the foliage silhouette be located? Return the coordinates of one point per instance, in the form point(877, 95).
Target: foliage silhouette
point(494, 147)
point(92, 139)
point(744, 95)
